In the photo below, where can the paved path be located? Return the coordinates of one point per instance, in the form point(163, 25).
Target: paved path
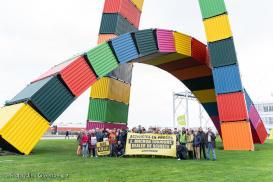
point(54, 137)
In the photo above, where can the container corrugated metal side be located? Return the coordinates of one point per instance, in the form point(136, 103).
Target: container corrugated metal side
point(180, 64)
point(210, 8)
point(165, 59)
point(237, 136)
point(193, 72)
point(102, 59)
point(49, 96)
point(165, 40)
point(205, 96)
point(100, 90)
point(208, 62)
point(76, 74)
point(227, 79)
point(124, 7)
point(222, 53)
point(211, 108)
point(23, 126)
point(146, 42)
point(217, 28)
point(202, 83)
point(232, 107)
point(119, 91)
point(138, 3)
point(255, 137)
point(182, 43)
point(115, 23)
point(248, 100)
point(123, 73)
point(104, 37)
point(216, 122)
point(54, 70)
point(93, 125)
point(97, 110)
point(125, 48)
point(116, 112)
point(199, 50)
point(254, 117)
point(262, 133)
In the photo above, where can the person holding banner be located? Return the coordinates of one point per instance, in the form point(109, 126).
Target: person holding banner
point(105, 137)
point(189, 145)
point(93, 144)
point(84, 142)
point(113, 140)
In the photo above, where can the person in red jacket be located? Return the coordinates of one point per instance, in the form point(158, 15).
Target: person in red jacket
point(84, 142)
point(112, 140)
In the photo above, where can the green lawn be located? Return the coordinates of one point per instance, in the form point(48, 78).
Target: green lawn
point(59, 157)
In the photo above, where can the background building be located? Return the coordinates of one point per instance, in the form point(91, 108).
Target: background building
point(265, 109)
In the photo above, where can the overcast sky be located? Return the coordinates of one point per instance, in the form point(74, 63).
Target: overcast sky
point(36, 35)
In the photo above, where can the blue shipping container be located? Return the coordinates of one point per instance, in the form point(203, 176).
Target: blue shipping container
point(248, 101)
point(227, 79)
point(124, 48)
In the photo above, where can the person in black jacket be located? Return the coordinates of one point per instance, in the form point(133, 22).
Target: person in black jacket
point(181, 151)
point(210, 144)
point(105, 137)
point(203, 143)
point(119, 149)
point(66, 134)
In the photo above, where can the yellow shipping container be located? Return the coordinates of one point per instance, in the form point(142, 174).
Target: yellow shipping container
point(182, 43)
point(205, 96)
point(138, 3)
point(217, 28)
point(100, 89)
point(109, 88)
point(165, 59)
point(22, 127)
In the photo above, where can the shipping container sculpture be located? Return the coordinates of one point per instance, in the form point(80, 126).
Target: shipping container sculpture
point(210, 72)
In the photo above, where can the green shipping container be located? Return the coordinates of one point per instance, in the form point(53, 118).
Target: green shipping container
point(210, 8)
point(145, 41)
point(115, 23)
point(49, 97)
point(102, 59)
point(107, 111)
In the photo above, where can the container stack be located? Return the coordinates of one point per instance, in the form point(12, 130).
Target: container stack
point(27, 116)
point(109, 97)
point(231, 101)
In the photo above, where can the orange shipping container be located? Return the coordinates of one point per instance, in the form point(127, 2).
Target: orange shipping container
point(237, 135)
point(104, 37)
point(193, 72)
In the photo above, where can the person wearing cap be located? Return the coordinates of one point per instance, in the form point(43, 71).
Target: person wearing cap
point(79, 139)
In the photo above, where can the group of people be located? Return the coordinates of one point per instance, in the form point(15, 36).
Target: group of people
point(189, 142)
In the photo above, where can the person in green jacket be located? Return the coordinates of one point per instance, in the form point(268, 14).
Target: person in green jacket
point(183, 140)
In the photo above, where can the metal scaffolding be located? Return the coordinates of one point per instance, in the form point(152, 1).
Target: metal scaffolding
point(178, 99)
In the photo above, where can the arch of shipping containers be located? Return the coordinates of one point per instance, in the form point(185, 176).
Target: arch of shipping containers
point(210, 71)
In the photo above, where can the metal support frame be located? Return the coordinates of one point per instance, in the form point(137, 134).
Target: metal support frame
point(178, 99)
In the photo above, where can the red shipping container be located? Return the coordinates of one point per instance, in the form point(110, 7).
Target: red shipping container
point(216, 122)
point(260, 132)
point(232, 107)
point(93, 125)
point(76, 73)
point(198, 50)
point(255, 136)
point(208, 58)
point(126, 8)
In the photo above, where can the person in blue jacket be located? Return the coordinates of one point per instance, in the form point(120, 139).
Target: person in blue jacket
point(98, 134)
point(196, 144)
point(121, 135)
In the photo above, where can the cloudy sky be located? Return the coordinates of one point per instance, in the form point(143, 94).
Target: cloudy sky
point(36, 35)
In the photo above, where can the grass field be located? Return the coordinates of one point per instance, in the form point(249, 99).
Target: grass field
point(58, 157)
